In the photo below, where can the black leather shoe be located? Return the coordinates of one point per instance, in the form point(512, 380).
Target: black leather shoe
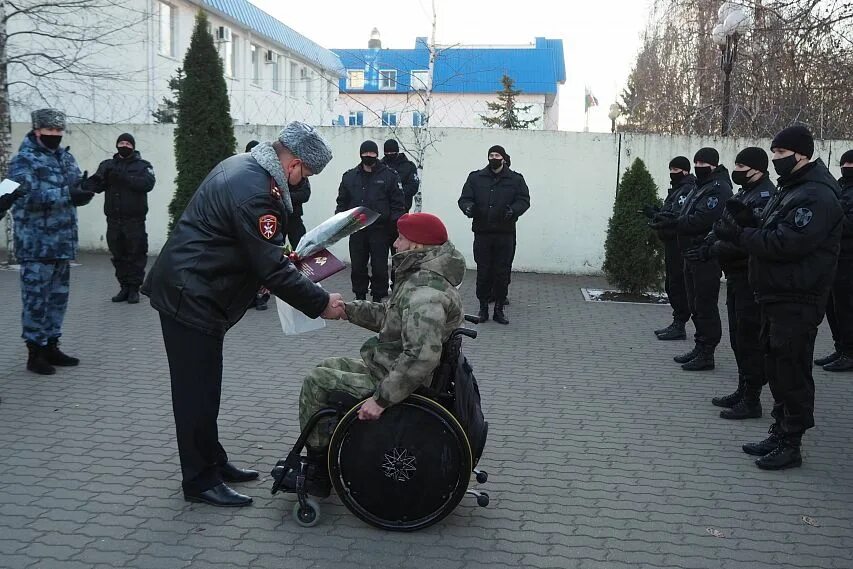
point(786, 455)
point(765, 446)
point(231, 473)
point(219, 495)
point(687, 356)
point(827, 359)
point(844, 363)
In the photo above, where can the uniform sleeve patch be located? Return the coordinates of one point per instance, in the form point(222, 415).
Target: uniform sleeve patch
point(268, 226)
point(712, 202)
point(765, 194)
point(802, 216)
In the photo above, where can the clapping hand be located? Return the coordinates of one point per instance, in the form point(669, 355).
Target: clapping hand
point(727, 231)
point(335, 309)
point(650, 211)
point(663, 220)
point(698, 254)
point(741, 213)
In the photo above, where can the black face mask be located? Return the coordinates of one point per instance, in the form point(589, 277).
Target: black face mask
point(784, 166)
point(676, 177)
point(740, 177)
point(703, 172)
point(369, 161)
point(495, 163)
point(847, 173)
point(51, 141)
point(390, 156)
point(124, 151)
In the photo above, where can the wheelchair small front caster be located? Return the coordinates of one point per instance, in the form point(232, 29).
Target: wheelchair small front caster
point(308, 515)
point(482, 476)
point(483, 500)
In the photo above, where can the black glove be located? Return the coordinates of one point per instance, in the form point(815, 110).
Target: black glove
point(80, 197)
point(698, 254)
point(7, 200)
point(741, 213)
point(727, 231)
point(508, 214)
point(664, 220)
point(469, 211)
point(650, 211)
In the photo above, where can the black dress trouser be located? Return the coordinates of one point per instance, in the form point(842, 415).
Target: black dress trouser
point(839, 309)
point(674, 285)
point(195, 364)
point(369, 246)
point(493, 253)
point(745, 331)
point(702, 281)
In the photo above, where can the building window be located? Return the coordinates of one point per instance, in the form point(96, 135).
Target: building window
point(388, 79)
point(293, 79)
point(226, 54)
point(276, 72)
point(166, 19)
point(256, 64)
point(389, 119)
point(235, 57)
point(356, 118)
point(418, 119)
point(419, 80)
point(355, 79)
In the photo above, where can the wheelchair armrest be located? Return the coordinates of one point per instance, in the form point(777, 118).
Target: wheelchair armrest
point(472, 319)
point(464, 332)
point(342, 401)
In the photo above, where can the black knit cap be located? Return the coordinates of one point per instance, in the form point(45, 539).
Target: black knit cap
point(846, 157)
point(391, 145)
point(126, 137)
point(707, 155)
point(368, 146)
point(795, 138)
point(680, 162)
point(753, 157)
point(251, 145)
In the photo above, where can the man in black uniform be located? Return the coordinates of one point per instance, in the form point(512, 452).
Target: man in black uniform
point(494, 197)
point(126, 180)
point(701, 209)
point(793, 255)
point(408, 173)
point(226, 244)
point(756, 189)
point(839, 309)
point(682, 183)
point(375, 186)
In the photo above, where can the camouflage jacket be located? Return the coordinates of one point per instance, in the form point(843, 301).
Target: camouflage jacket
point(419, 317)
point(45, 219)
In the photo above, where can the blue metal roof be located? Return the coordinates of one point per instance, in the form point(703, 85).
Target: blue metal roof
point(536, 69)
point(259, 21)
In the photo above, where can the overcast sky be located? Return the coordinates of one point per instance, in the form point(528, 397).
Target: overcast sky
point(600, 37)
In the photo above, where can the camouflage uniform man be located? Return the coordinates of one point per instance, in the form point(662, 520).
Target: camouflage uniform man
point(412, 327)
point(46, 235)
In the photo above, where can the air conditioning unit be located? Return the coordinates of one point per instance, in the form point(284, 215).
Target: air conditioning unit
point(269, 56)
point(223, 33)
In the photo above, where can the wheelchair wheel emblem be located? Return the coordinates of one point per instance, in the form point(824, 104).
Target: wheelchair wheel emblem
point(399, 465)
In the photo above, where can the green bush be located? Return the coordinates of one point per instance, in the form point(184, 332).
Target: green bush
point(633, 254)
point(204, 135)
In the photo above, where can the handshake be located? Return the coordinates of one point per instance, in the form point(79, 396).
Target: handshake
point(335, 309)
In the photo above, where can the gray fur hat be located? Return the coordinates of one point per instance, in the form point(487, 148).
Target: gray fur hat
point(306, 144)
point(48, 118)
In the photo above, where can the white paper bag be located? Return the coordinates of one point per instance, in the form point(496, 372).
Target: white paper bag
point(294, 321)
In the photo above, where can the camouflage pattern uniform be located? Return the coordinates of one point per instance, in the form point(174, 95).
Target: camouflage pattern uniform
point(423, 310)
point(45, 235)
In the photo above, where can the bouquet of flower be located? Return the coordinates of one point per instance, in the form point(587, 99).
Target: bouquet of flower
point(333, 230)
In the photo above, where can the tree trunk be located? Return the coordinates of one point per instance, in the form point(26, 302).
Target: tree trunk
point(5, 125)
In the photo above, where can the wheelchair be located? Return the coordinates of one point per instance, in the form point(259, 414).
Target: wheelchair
point(412, 467)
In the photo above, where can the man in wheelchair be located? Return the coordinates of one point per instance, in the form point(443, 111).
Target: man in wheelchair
point(423, 311)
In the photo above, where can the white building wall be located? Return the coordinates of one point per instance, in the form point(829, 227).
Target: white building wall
point(572, 179)
point(144, 74)
point(449, 110)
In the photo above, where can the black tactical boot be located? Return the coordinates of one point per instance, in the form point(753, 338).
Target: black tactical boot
point(785, 455)
point(133, 295)
point(687, 356)
point(675, 331)
point(54, 356)
point(122, 294)
point(827, 359)
point(36, 361)
point(317, 482)
point(664, 329)
point(484, 312)
point(749, 407)
point(844, 363)
point(361, 296)
point(703, 361)
point(499, 316)
point(765, 446)
point(729, 401)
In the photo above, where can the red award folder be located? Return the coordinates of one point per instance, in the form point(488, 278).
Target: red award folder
point(319, 266)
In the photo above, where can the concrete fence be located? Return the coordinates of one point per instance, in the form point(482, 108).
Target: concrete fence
point(572, 178)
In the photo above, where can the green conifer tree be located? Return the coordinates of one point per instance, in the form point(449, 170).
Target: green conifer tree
point(507, 112)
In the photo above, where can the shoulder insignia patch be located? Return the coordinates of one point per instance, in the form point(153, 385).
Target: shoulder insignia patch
point(712, 202)
point(268, 226)
point(802, 216)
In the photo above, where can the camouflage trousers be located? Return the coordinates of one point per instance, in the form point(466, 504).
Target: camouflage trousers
point(44, 295)
point(334, 374)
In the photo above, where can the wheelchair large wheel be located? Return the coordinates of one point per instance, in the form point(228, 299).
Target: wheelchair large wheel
point(404, 472)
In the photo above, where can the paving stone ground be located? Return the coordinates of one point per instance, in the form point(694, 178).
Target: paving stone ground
point(602, 452)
